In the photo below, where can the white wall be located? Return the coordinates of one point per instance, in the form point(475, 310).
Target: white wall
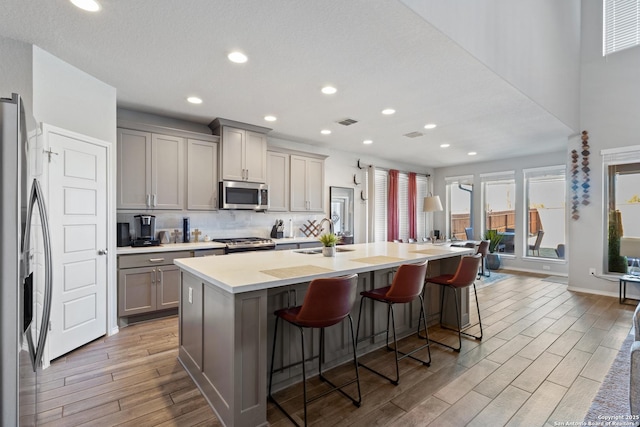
point(610, 104)
point(15, 70)
point(532, 44)
point(517, 261)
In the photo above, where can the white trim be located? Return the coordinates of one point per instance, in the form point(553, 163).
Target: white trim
point(451, 179)
point(620, 155)
point(498, 176)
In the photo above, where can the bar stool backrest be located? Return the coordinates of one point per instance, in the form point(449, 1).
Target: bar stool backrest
point(467, 271)
point(483, 248)
point(407, 283)
point(328, 301)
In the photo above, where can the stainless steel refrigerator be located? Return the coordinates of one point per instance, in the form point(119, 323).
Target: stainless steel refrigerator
point(25, 267)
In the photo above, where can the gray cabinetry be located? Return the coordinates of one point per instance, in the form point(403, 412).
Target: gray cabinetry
point(278, 181)
point(191, 319)
point(148, 282)
point(202, 175)
point(307, 184)
point(243, 154)
point(150, 170)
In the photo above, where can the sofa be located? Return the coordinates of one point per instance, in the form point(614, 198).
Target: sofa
point(634, 383)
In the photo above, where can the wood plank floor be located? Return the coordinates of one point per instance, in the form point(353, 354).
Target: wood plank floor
point(544, 354)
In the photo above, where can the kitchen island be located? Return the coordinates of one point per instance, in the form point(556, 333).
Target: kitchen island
point(227, 305)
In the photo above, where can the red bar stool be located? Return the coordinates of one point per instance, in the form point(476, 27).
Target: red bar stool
point(327, 302)
point(407, 286)
point(464, 277)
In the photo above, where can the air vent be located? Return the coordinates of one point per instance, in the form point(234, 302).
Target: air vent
point(347, 122)
point(413, 134)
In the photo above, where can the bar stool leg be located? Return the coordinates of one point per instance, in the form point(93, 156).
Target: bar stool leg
point(273, 357)
point(355, 364)
point(304, 377)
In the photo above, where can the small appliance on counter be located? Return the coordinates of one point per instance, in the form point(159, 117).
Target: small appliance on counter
point(145, 226)
point(277, 231)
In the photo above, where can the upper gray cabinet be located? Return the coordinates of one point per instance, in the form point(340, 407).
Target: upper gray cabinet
point(243, 151)
point(150, 170)
point(202, 175)
point(278, 181)
point(307, 184)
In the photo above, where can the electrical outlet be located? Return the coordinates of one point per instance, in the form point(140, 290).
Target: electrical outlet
point(190, 295)
point(592, 271)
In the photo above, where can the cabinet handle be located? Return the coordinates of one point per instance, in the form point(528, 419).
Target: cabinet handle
point(153, 277)
point(155, 200)
point(156, 259)
point(148, 200)
point(161, 276)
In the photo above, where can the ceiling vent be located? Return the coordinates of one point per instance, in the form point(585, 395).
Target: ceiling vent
point(413, 134)
point(347, 122)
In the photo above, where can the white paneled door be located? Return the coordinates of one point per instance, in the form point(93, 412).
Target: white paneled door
point(78, 213)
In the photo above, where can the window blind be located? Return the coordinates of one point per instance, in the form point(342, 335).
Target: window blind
point(380, 206)
point(621, 25)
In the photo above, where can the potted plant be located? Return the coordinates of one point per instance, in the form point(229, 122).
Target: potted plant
point(328, 241)
point(493, 258)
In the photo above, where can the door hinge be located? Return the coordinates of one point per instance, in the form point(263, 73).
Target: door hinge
point(50, 326)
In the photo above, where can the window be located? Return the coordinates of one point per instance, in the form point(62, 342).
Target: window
point(459, 206)
point(545, 218)
point(621, 25)
point(499, 209)
point(380, 208)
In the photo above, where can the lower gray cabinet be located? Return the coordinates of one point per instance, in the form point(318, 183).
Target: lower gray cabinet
point(191, 319)
point(148, 282)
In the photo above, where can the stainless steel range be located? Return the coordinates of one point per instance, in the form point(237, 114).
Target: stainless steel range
point(247, 244)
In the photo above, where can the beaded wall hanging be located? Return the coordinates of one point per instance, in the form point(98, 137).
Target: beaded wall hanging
point(580, 191)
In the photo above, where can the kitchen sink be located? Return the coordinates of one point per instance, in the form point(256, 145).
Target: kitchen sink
point(319, 250)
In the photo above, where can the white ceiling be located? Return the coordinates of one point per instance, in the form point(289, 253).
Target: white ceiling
point(378, 54)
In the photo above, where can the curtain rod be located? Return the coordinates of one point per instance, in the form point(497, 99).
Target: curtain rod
point(362, 165)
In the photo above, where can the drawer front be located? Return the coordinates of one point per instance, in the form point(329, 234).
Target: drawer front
point(150, 259)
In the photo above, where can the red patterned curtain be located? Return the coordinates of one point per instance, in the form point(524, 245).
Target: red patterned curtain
point(413, 207)
point(393, 213)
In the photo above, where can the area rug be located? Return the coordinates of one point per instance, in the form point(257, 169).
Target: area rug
point(491, 280)
point(613, 396)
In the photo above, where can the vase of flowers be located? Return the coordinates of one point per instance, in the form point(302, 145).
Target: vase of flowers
point(493, 258)
point(328, 241)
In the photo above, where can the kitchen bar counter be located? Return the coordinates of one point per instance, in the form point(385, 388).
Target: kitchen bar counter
point(226, 316)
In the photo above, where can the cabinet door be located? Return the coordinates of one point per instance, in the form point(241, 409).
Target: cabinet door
point(232, 161)
point(298, 184)
point(134, 169)
point(255, 157)
point(315, 184)
point(136, 290)
point(167, 167)
point(202, 175)
point(167, 286)
point(278, 181)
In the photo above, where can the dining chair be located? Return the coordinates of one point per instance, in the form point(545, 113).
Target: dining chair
point(536, 246)
point(483, 250)
point(469, 233)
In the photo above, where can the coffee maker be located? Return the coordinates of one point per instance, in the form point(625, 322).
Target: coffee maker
point(145, 228)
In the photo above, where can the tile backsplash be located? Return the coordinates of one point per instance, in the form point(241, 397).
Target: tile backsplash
point(226, 223)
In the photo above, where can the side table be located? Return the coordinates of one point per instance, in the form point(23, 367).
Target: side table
point(623, 287)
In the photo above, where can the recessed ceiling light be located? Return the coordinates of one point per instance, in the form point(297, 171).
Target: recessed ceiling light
point(472, 153)
point(270, 118)
point(430, 126)
point(88, 5)
point(444, 145)
point(388, 111)
point(194, 100)
point(329, 90)
point(237, 57)
point(325, 132)
point(367, 142)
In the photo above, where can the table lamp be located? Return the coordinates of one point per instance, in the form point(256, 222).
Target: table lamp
point(430, 204)
point(630, 247)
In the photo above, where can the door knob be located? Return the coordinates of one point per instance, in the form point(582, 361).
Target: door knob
point(103, 252)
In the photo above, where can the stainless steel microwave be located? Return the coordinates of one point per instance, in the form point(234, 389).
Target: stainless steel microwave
point(243, 195)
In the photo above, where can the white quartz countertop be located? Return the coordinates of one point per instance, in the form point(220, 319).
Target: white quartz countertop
point(170, 247)
point(250, 271)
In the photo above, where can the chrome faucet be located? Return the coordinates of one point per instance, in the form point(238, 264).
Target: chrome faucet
point(330, 224)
